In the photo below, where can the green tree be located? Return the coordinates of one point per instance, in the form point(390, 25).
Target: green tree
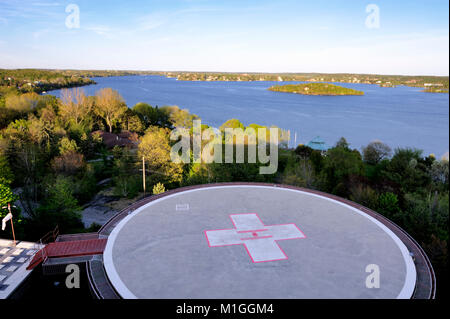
point(339, 164)
point(301, 174)
point(60, 196)
point(59, 207)
point(158, 189)
point(364, 195)
point(23, 103)
point(132, 122)
point(342, 143)
point(155, 148)
point(6, 175)
point(424, 216)
point(7, 116)
point(388, 205)
point(152, 116)
point(70, 160)
point(303, 151)
point(407, 170)
point(233, 123)
point(6, 196)
point(179, 117)
point(67, 146)
point(198, 173)
point(126, 178)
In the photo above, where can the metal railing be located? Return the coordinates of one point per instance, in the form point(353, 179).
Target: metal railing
point(40, 246)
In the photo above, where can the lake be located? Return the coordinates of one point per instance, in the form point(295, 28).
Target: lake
point(401, 116)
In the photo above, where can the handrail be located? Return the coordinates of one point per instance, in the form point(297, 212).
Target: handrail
point(41, 245)
point(50, 236)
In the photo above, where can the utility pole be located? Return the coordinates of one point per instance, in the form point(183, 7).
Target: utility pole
point(143, 173)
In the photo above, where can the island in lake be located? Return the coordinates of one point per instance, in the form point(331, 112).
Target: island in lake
point(315, 89)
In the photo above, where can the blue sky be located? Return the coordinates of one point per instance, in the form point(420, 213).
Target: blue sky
point(242, 36)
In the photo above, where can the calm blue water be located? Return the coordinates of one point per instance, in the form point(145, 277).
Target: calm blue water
point(400, 117)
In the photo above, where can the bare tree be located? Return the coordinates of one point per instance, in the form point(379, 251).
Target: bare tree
point(375, 152)
point(110, 106)
point(75, 105)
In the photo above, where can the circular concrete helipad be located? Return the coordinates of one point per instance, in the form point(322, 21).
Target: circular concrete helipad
point(255, 242)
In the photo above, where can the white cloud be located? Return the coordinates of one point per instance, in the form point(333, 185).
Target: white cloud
point(100, 30)
point(39, 33)
point(46, 4)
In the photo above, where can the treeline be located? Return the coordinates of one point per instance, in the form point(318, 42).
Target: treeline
point(32, 80)
point(36, 80)
point(105, 73)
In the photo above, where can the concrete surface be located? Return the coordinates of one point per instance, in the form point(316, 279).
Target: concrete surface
point(96, 211)
point(160, 251)
point(14, 260)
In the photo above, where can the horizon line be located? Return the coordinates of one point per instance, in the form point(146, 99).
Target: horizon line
point(230, 72)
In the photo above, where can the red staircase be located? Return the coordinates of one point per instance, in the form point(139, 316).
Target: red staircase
point(68, 249)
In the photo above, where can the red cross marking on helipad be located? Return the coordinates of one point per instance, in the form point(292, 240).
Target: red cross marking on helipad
point(259, 240)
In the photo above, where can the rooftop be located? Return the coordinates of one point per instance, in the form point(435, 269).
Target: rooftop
point(259, 241)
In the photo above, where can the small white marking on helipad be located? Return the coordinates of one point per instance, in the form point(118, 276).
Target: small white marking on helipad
point(182, 207)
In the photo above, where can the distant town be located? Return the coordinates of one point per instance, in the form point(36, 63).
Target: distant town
point(438, 84)
point(34, 80)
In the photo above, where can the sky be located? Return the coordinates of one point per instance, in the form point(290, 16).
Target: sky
point(329, 36)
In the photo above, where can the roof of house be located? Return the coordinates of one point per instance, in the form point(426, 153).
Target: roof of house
point(318, 143)
point(125, 138)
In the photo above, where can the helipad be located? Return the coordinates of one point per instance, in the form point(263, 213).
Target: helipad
point(255, 241)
